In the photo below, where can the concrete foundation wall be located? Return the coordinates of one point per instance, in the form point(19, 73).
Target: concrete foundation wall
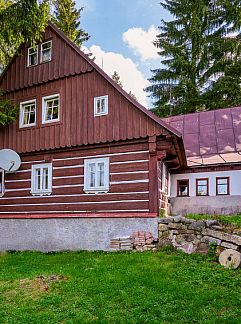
point(220, 205)
point(69, 234)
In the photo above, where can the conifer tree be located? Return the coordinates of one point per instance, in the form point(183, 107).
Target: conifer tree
point(67, 18)
point(117, 79)
point(20, 21)
point(200, 66)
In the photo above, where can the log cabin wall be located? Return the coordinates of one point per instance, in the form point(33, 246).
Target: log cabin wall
point(129, 183)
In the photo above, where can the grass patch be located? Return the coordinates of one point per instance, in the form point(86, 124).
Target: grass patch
point(232, 220)
point(162, 287)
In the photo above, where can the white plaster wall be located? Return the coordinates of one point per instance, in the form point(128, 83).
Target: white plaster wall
point(235, 181)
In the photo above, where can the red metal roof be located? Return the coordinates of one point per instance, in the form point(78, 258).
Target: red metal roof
point(210, 137)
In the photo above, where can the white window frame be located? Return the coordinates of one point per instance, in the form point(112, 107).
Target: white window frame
point(21, 115)
point(105, 112)
point(96, 189)
point(41, 52)
point(41, 192)
point(28, 61)
point(2, 191)
point(44, 109)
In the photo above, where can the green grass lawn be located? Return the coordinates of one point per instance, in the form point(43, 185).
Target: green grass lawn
point(162, 287)
point(232, 220)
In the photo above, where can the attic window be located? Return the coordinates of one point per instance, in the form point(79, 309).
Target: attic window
point(46, 52)
point(32, 56)
point(101, 106)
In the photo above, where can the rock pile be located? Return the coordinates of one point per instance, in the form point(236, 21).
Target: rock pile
point(191, 236)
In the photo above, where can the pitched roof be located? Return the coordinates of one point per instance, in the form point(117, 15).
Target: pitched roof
point(211, 137)
point(80, 64)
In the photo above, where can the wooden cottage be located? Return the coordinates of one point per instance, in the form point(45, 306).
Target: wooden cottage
point(95, 163)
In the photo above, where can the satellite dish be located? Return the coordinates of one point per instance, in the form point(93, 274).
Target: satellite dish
point(9, 160)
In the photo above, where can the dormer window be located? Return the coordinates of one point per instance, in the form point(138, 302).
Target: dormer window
point(32, 56)
point(46, 52)
point(101, 106)
point(27, 113)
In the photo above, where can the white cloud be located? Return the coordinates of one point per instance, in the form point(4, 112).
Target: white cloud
point(131, 78)
point(141, 42)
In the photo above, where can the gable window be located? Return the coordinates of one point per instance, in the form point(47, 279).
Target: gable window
point(50, 109)
point(46, 52)
point(202, 187)
point(101, 106)
point(27, 113)
point(32, 56)
point(2, 187)
point(183, 188)
point(96, 175)
point(222, 186)
point(41, 179)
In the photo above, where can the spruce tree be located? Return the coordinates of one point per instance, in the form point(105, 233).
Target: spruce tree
point(67, 18)
point(117, 79)
point(20, 21)
point(200, 66)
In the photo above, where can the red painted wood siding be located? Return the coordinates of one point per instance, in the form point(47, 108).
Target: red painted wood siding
point(77, 125)
point(65, 62)
point(129, 183)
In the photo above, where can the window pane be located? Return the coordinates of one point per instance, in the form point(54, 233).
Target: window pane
point(100, 168)
point(202, 187)
point(183, 188)
point(45, 178)
point(92, 175)
point(222, 181)
point(52, 109)
point(28, 111)
point(38, 179)
point(1, 183)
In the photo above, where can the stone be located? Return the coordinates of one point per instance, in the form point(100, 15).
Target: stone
point(229, 246)
point(198, 226)
point(187, 220)
point(222, 236)
point(211, 222)
point(237, 231)
point(162, 227)
point(202, 248)
point(165, 220)
point(219, 250)
point(188, 247)
point(183, 238)
point(177, 226)
point(186, 231)
point(230, 259)
point(218, 227)
point(164, 234)
point(210, 240)
point(178, 219)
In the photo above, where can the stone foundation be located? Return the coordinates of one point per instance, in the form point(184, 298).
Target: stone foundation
point(196, 236)
point(69, 233)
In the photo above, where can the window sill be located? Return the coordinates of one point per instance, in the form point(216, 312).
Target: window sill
point(40, 193)
point(96, 191)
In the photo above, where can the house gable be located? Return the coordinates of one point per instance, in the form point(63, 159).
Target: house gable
point(77, 80)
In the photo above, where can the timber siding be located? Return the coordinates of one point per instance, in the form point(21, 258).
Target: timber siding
point(77, 125)
point(129, 183)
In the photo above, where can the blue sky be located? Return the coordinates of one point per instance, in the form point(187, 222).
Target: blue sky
point(122, 32)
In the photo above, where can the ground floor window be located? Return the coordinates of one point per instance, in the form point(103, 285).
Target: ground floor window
point(222, 186)
point(202, 187)
point(96, 175)
point(183, 188)
point(2, 187)
point(41, 179)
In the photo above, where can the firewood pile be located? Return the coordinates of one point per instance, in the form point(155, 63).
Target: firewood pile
point(139, 240)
